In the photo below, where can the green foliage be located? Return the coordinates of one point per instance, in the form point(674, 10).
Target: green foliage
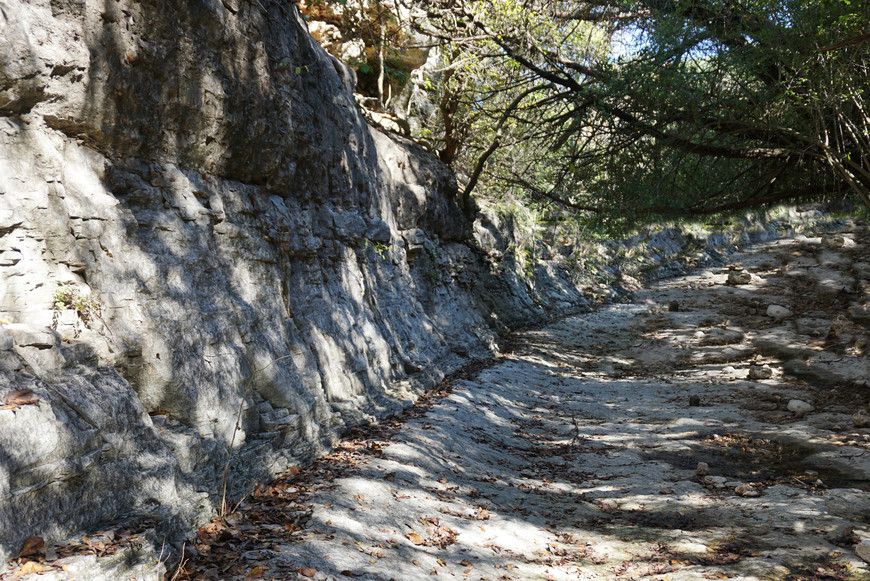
point(717, 106)
point(381, 249)
point(88, 309)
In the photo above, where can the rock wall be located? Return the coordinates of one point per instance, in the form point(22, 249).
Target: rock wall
point(208, 258)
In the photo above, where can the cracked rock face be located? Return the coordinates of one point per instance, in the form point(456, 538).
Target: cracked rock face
point(247, 263)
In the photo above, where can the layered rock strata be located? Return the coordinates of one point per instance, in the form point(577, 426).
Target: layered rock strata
point(207, 257)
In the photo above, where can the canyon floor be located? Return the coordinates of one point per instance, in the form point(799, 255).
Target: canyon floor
point(715, 428)
point(694, 434)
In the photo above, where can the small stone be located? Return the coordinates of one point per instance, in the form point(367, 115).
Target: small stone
point(862, 549)
point(834, 241)
point(799, 407)
point(666, 491)
point(861, 419)
point(608, 505)
point(746, 490)
point(760, 372)
point(742, 277)
point(715, 481)
point(778, 312)
point(703, 469)
point(694, 401)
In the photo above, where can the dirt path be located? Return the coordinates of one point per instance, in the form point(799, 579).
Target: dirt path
point(577, 455)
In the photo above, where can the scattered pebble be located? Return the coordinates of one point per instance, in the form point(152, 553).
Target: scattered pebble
point(715, 481)
point(739, 278)
point(666, 491)
point(778, 312)
point(760, 372)
point(703, 469)
point(799, 407)
point(746, 490)
point(838, 241)
point(861, 419)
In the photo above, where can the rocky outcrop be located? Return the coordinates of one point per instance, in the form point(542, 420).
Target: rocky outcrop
point(209, 259)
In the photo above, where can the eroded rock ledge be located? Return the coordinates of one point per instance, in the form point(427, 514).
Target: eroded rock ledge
point(201, 170)
point(204, 247)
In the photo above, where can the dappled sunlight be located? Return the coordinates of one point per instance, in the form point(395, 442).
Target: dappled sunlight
point(618, 444)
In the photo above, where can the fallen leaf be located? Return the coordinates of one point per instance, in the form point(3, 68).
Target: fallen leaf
point(348, 573)
point(256, 573)
point(307, 572)
point(20, 397)
point(32, 546)
point(415, 538)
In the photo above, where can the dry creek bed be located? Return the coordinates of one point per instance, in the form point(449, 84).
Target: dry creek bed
point(697, 433)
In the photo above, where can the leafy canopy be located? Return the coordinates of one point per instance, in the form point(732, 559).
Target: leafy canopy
point(629, 111)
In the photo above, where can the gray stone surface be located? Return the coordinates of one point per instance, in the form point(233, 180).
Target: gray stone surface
point(202, 171)
point(265, 269)
point(579, 456)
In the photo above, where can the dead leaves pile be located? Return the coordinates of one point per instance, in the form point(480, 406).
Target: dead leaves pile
point(240, 544)
point(438, 535)
point(36, 557)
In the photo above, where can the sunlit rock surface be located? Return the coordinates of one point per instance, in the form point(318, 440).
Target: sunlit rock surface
point(270, 270)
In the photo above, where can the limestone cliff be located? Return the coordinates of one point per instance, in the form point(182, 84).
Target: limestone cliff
point(205, 248)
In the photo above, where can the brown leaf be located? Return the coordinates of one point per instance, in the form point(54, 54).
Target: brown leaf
point(348, 573)
point(256, 573)
point(20, 397)
point(32, 546)
point(415, 538)
point(308, 572)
